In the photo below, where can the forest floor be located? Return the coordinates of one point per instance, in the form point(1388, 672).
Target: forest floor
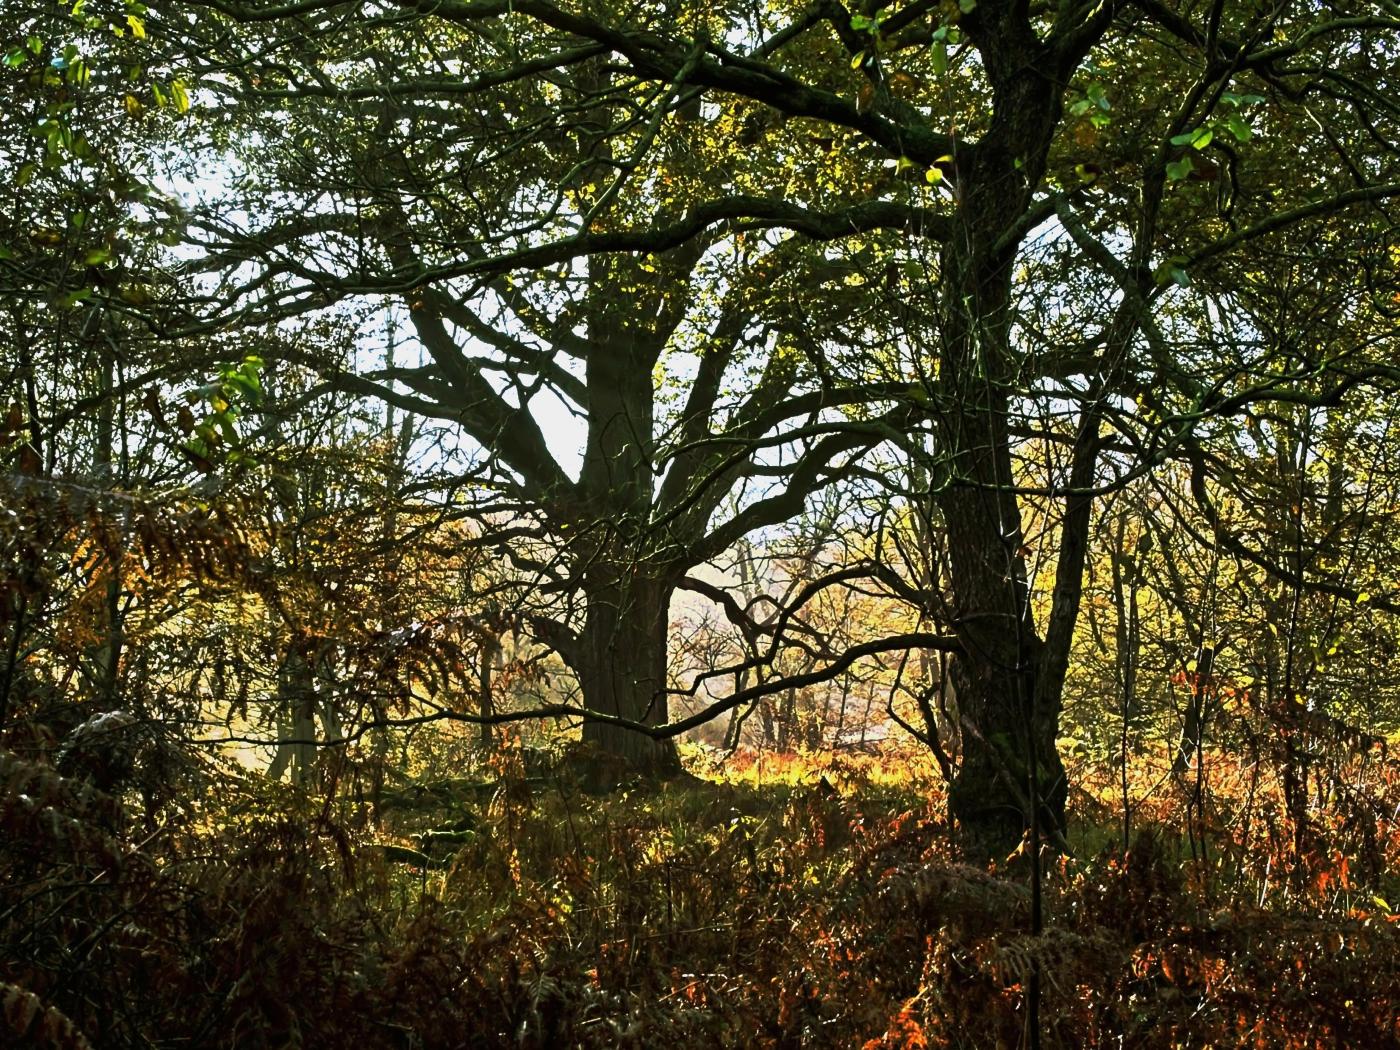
point(788, 901)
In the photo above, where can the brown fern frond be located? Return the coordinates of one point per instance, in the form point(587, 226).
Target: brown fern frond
point(28, 1021)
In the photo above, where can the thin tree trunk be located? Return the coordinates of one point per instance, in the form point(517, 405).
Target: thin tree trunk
point(296, 702)
point(1193, 727)
point(490, 652)
point(107, 659)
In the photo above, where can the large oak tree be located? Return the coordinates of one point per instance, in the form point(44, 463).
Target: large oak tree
point(465, 154)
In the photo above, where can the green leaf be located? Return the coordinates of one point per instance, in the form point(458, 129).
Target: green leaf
point(1242, 131)
point(940, 57)
point(967, 6)
point(241, 385)
point(1179, 169)
point(225, 423)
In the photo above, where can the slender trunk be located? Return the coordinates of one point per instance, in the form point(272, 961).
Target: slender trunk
point(107, 658)
point(1127, 574)
point(296, 719)
point(1193, 727)
point(788, 719)
point(7, 677)
point(487, 658)
point(733, 733)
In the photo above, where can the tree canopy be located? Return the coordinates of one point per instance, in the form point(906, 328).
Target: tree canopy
point(747, 247)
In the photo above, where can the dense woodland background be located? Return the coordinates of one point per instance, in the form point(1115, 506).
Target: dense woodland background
point(749, 524)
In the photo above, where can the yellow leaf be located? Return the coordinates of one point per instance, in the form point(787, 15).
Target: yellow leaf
point(1363, 597)
point(138, 27)
point(133, 105)
point(180, 96)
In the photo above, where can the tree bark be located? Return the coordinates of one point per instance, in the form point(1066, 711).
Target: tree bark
point(622, 670)
point(621, 655)
point(1005, 677)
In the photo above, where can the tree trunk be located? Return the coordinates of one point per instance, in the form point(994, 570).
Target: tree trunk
point(995, 678)
point(1007, 680)
point(621, 652)
point(490, 651)
point(1009, 716)
point(296, 700)
point(1193, 724)
point(622, 669)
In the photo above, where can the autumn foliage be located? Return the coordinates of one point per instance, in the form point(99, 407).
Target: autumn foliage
point(819, 908)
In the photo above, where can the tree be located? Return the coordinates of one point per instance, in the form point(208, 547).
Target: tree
point(514, 330)
point(78, 365)
point(972, 127)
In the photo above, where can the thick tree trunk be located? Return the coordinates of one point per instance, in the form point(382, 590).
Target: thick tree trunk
point(621, 652)
point(1007, 732)
point(1007, 679)
point(622, 670)
point(1007, 682)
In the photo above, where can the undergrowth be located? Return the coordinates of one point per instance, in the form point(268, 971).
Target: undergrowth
point(819, 905)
